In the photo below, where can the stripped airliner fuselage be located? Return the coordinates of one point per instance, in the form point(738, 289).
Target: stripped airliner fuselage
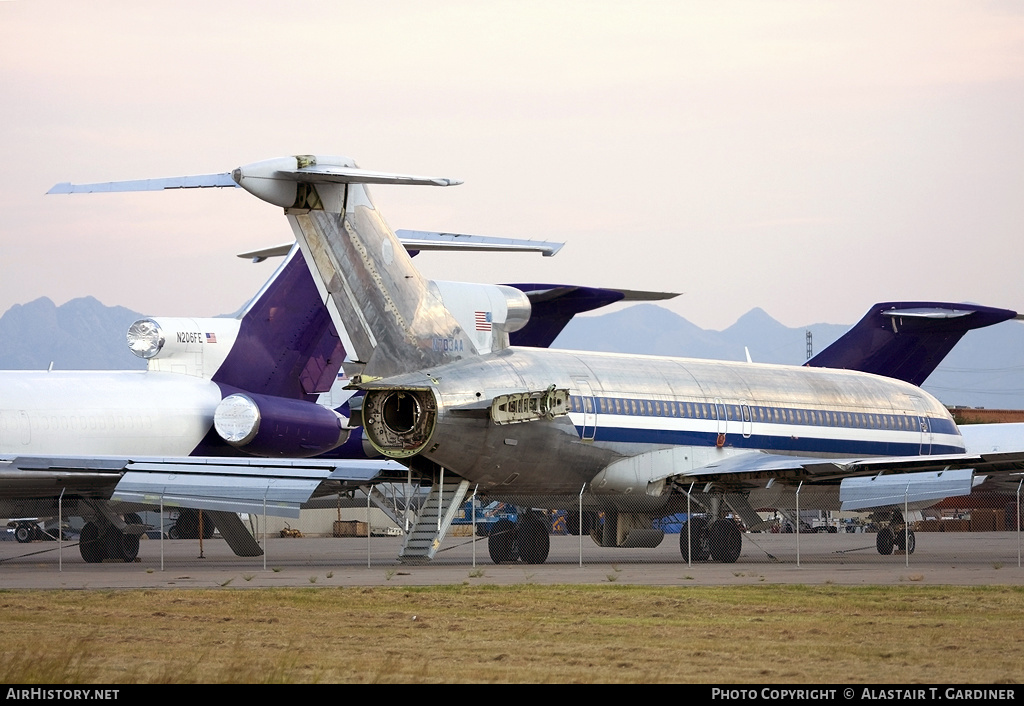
point(623, 408)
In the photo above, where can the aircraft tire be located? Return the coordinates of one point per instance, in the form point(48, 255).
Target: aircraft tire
point(501, 542)
point(725, 540)
point(901, 539)
point(23, 533)
point(188, 524)
point(121, 546)
point(885, 540)
point(699, 539)
point(89, 544)
point(532, 540)
point(572, 522)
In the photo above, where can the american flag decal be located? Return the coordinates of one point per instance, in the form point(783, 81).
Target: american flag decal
point(211, 338)
point(483, 321)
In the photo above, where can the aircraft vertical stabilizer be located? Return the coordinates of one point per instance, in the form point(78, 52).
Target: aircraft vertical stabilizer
point(394, 321)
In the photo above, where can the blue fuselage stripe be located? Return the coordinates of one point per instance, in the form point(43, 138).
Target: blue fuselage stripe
point(681, 437)
point(820, 431)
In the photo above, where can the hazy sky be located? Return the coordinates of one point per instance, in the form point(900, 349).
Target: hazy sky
point(809, 158)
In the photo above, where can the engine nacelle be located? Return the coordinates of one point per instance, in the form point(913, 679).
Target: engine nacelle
point(487, 312)
point(180, 345)
point(275, 426)
point(399, 423)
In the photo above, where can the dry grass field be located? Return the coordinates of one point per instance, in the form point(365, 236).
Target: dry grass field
point(526, 633)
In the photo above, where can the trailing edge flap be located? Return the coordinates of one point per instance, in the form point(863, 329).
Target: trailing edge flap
point(277, 487)
point(760, 465)
point(910, 488)
point(278, 497)
point(35, 476)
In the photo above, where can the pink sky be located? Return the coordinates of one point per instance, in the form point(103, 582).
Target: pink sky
point(809, 158)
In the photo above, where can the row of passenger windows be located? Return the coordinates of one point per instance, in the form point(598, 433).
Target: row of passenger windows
point(108, 422)
point(745, 413)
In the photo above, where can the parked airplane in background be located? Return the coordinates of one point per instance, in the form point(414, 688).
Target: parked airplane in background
point(643, 436)
point(215, 387)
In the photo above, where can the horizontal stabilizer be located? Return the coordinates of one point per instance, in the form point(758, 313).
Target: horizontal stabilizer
point(911, 488)
point(554, 305)
point(280, 170)
point(418, 240)
point(335, 174)
point(906, 340)
point(202, 181)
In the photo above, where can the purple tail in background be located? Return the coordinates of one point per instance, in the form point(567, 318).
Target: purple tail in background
point(906, 340)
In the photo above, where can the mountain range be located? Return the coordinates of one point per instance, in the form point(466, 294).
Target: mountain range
point(986, 369)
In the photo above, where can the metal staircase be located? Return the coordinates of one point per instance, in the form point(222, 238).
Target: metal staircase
point(432, 522)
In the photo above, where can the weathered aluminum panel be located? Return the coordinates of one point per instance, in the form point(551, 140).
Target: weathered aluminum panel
point(914, 489)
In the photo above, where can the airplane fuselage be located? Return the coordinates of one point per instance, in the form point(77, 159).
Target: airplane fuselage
point(104, 412)
point(627, 413)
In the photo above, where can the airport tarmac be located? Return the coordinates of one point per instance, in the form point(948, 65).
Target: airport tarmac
point(981, 558)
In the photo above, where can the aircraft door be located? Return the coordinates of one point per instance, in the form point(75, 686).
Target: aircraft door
point(748, 422)
point(589, 405)
point(926, 436)
point(722, 415)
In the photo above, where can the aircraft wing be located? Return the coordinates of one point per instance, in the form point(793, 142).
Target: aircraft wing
point(866, 482)
point(278, 487)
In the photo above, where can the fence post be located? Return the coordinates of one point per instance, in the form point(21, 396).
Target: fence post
point(60, 531)
point(689, 516)
point(1018, 521)
point(472, 509)
point(798, 489)
point(580, 508)
point(906, 525)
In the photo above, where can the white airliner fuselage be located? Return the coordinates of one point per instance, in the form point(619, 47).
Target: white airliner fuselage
point(104, 413)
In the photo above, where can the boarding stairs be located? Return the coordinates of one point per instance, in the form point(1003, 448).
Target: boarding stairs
point(432, 522)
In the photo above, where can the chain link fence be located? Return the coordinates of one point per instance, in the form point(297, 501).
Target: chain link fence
point(982, 529)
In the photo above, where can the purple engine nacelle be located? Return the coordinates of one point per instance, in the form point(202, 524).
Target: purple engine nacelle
point(275, 426)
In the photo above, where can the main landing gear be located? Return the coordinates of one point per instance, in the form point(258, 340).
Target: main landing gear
point(719, 540)
point(100, 541)
point(526, 539)
point(188, 523)
point(895, 535)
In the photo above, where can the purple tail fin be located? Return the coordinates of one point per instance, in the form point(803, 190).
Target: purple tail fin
point(906, 340)
point(554, 305)
point(287, 345)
